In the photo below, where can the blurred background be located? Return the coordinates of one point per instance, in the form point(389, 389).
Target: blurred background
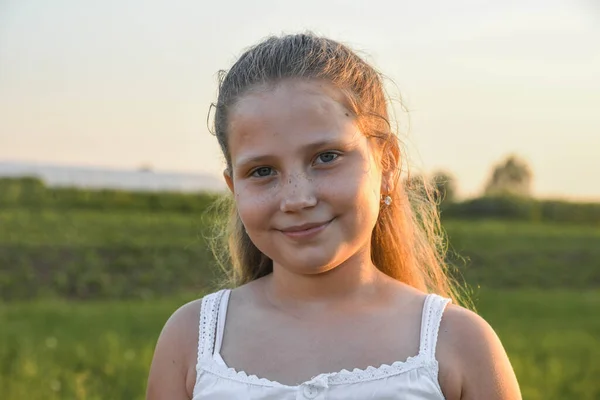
point(108, 171)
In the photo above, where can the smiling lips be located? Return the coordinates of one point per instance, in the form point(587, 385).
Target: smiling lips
point(305, 230)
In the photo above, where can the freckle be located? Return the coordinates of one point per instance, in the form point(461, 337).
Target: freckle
point(347, 115)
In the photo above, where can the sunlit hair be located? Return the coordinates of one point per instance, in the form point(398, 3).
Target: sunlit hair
point(408, 243)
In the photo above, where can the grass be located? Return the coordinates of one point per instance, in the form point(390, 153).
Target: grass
point(511, 254)
point(67, 350)
point(102, 350)
point(552, 338)
point(100, 255)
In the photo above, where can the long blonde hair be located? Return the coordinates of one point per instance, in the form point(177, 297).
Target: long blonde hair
point(408, 243)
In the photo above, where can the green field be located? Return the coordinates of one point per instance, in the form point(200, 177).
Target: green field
point(84, 294)
point(87, 254)
point(102, 350)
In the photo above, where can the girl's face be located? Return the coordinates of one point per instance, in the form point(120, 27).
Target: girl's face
point(306, 181)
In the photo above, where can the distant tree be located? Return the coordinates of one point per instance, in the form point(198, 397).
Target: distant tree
point(445, 187)
point(513, 176)
point(146, 168)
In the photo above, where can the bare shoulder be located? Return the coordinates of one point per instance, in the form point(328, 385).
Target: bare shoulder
point(473, 362)
point(172, 374)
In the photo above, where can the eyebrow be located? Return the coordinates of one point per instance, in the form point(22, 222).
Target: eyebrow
point(307, 148)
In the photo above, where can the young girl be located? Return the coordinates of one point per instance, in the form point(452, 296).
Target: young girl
point(340, 285)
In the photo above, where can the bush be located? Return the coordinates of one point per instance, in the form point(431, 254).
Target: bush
point(523, 209)
point(33, 194)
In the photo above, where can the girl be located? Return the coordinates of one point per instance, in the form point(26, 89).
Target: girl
point(335, 268)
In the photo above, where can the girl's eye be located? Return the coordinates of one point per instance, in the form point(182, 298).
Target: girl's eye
point(262, 172)
point(328, 157)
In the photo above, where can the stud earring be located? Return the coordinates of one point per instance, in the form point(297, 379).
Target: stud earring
point(387, 200)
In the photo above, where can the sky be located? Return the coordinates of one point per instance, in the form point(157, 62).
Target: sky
point(126, 83)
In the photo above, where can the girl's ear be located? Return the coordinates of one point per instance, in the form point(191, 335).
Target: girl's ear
point(228, 180)
point(391, 166)
point(388, 182)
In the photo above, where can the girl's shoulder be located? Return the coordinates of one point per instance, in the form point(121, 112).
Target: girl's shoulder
point(174, 362)
point(467, 350)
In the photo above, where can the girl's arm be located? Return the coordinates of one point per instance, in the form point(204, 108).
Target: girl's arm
point(172, 373)
point(473, 357)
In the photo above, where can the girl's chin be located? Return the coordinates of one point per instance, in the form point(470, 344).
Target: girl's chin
point(307, 265)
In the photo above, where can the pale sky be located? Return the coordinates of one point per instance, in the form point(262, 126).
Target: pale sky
point(123, 83)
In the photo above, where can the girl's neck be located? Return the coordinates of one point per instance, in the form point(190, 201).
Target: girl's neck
point(355, 280)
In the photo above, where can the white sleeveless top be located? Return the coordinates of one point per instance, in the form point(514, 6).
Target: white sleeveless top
point(413, 379)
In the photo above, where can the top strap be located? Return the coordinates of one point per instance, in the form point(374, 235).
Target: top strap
point(221, 318)
point(433, 309)
point(209, 313)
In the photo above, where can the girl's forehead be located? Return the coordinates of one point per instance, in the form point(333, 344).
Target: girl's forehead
point(293, 114)
point(272, 102)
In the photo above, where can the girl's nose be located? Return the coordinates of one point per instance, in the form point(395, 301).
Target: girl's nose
point(297, 194)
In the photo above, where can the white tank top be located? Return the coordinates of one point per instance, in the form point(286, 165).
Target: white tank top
point(413, 379)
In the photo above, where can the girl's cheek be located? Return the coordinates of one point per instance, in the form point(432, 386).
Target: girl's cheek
point(253, 203)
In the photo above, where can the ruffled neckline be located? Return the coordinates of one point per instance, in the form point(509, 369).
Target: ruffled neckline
point(323, 380)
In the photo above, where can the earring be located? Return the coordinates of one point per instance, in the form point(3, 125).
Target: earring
point(387, 200)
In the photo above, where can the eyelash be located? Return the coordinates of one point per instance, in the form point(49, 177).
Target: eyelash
point(336, 154)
